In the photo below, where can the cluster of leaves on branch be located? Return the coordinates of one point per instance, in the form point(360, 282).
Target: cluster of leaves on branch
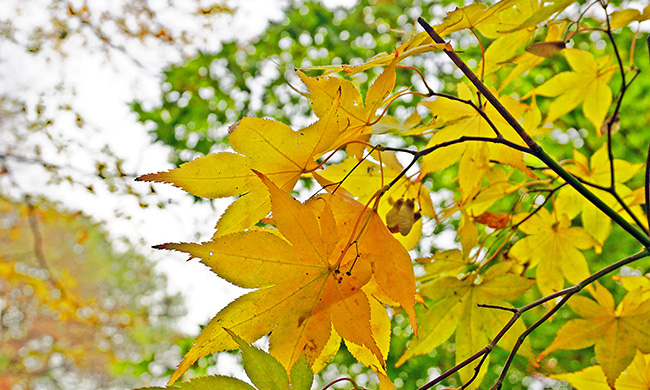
point(535, 217)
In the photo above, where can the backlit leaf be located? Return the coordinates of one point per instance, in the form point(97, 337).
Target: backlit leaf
point(315, 278)
point(586, 84)
point(616, 334)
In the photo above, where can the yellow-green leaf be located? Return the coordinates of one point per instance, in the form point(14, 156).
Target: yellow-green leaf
point(264, 370)
point(301, 375)
point(588, 84)
point(553, 246)
point(616, 334)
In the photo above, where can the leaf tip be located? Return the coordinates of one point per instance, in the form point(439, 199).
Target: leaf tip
point(147, 177)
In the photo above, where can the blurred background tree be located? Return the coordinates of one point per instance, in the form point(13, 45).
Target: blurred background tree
point(74, 313)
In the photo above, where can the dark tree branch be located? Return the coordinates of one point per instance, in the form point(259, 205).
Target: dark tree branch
point(535, 148)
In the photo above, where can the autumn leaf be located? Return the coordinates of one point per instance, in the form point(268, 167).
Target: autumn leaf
point(472, 16)
point(499, 186)
point(617, 333)
point(624, 17)
point(543, 12)
point(586, 84)
point(410, 126)
point(363, 179)
point(463, 120)
point(635, 377)
point(451, 262)
point(309, 276)
point(355, 114)
point(418, 44)
point(597, 170)
point(267, 146)
point(457, 311)
point(493, 220)
point(553, 246)
point(526, 61)
point(506, 45)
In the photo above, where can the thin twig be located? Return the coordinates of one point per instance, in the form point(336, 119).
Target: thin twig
point(497, 307)
point(353, 168)
point(474, 106)
point(464, 138)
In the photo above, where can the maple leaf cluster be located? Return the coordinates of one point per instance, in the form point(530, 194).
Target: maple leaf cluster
point(325, 270)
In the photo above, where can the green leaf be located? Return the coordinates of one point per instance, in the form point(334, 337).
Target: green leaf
point(301, 374)
point(263, 369)
point(208, 382)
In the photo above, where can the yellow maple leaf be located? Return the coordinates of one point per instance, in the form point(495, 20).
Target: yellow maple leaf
point(616, 333)
point(267, 146)
point(417, 44)
point(355, 115)
point(588, 84)
point(457, 311)
point(470, 16)
point(624, 17)
point(499, 186)
point(553, 246)
point(596, 170)
point(476, 15)
point(310, 277)
point(526, 61)
point(542, 11)
point(463, 120)
point(635, 377)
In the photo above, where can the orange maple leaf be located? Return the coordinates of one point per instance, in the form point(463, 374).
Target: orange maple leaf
point(316, 275)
